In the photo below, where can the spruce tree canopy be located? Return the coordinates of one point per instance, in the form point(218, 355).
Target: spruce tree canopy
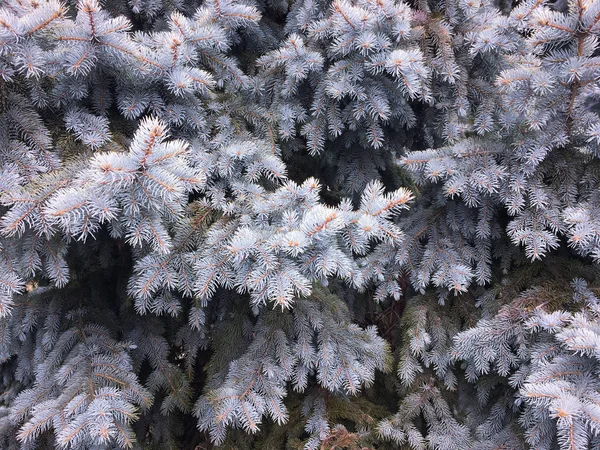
point(299, 224)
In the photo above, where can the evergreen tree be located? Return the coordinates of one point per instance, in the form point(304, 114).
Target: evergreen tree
point(311, 224)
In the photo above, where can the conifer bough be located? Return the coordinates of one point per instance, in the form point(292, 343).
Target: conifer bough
point(304, 224)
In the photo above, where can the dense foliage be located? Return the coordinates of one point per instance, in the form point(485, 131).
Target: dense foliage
point(303, 224)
